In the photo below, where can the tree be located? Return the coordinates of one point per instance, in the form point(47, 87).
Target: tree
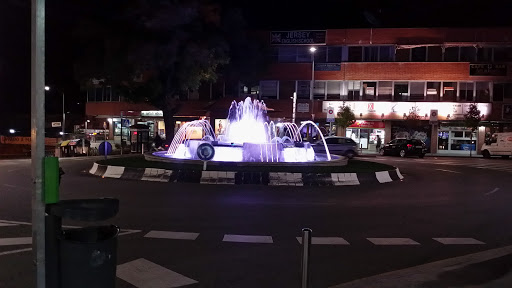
point(345, 117)
point(472, 119)
point(157, 51)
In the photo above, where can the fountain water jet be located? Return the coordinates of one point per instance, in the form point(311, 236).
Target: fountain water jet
point(249, 137)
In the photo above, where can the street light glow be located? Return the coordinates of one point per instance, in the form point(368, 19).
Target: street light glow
point(12, 131)
point(47, 88)
point(61, 133)
point(312, 49)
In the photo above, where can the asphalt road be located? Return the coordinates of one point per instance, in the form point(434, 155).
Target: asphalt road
point(439, 198)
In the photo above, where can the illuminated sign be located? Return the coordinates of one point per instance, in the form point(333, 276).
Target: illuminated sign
point(220, 126)
point(367, 124)
point(380, 110)
point(297, 37)
point(152, 113)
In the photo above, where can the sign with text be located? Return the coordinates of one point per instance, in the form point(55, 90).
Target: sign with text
point(25, 140)
point(303, 107)
point(368, 124)
point(397, 110)
point(308, 37)
point(488, 69)
point(152, 113)
point(327, 67)
point(56, 124)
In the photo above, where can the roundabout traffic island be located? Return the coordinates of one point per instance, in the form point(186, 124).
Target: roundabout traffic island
point(336, 172)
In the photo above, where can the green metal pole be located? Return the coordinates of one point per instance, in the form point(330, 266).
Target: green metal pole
point(37, 144)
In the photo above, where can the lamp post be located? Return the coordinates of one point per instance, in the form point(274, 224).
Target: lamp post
point(85, 137)
point(47, 88)
point(312, 50)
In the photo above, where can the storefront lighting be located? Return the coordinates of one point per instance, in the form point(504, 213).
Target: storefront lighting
point(109, 120)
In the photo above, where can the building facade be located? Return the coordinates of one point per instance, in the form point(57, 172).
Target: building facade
point(382, 74)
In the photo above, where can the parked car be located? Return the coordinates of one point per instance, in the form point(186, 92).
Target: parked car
point(337, 145)
point(404, 147)
point(500, 144)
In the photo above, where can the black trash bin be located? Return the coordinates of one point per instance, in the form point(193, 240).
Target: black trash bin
point(84, 257)
point(88, 257)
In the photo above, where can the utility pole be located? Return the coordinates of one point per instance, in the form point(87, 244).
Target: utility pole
point(37, 142)
point(63, 117)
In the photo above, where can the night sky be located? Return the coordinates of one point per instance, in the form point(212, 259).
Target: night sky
point(263, 14)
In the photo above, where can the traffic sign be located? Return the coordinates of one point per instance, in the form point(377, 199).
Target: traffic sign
point(433, 116)
point(330, 114)
point(101, 148)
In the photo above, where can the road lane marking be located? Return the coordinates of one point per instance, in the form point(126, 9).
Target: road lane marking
point(172, 235)
point(247, 239)
point(393, 241)
point(15, 251)
point(142, 273)
point(15, 241)
point(458, 241)
point(326, 241)
point(493, 191)
point(451, 171)
point(15, 222)
point(2, 224)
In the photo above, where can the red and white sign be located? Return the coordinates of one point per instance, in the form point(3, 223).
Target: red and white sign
point(368, 124)
point(330, 114)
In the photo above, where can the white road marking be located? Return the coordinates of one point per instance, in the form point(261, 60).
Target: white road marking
point(15, 241)
point(383, 176)
point(114, 172)
point(127, 232)
point(326, 241)
point(451, 171)
point(15, 251)
point(247, 239)
point(93, 168)
point(7, 224)
point(12, 170)
point(15, 222)
point(172, 235)
point(493, 191)
point(393, 241)
point(458, 241)
point(142, 273)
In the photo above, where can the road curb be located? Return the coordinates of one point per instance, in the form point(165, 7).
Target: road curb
point(240, 178)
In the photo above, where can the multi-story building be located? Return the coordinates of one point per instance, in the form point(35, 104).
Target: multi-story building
point(382, 74)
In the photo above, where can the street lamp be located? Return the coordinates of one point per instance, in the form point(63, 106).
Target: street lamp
point(312, 50)
point(47, 88)
point(12, 131)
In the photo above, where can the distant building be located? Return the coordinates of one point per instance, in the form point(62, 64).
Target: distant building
point(382, 74)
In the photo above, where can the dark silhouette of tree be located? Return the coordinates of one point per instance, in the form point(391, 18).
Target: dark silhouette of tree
point(153, 51)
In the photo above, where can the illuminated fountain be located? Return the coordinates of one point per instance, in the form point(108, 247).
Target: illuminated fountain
point(248, 138)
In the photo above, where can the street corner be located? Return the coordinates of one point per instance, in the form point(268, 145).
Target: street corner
point(244, 177)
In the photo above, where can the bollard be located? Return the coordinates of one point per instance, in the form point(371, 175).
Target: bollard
point(306, 245)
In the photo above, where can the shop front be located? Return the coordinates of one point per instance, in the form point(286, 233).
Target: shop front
point(452, 138)
point(366, 133)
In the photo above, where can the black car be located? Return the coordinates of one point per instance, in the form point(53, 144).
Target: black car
point(404, 147)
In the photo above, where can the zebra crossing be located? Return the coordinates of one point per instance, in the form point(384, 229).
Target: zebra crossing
point(503, 165)
point(323, 240)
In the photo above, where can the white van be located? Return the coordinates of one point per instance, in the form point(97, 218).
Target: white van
point(500, 144)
